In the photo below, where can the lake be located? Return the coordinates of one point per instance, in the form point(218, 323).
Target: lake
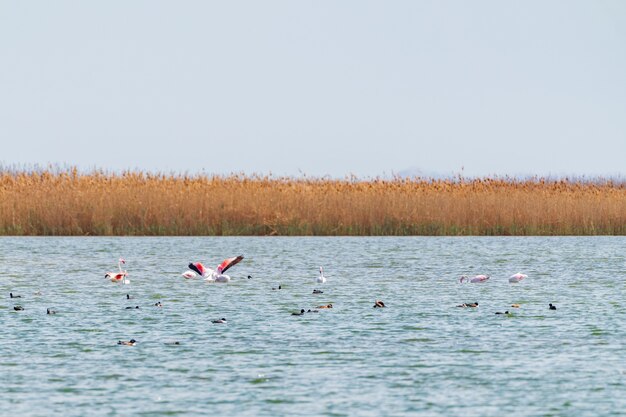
point(420, 355)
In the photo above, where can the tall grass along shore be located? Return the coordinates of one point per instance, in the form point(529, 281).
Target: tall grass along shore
point(67, 202)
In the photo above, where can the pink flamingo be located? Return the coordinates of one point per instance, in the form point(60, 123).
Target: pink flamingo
point(476, 279)
point(517, 277)
point(118, 276)
point(211, 275)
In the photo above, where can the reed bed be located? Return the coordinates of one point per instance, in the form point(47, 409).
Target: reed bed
point(135, 203)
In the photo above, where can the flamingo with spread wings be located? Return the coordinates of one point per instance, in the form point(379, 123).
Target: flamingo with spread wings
point(212, 275)
point(118, 276)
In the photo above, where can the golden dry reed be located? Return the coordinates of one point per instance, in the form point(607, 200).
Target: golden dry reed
point(66, 202)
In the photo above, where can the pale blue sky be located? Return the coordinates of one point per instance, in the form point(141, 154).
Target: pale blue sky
point(316, 87)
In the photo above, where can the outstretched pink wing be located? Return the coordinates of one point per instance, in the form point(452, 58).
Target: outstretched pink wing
point(228, 263)
point(198, 267)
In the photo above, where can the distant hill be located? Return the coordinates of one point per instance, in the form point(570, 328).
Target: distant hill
point(415, 172)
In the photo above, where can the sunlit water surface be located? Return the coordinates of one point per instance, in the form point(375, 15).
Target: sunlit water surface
point(420, 355)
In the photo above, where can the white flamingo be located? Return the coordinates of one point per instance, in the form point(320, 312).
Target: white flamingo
point(321, 279)
point(475, 279)
point(517, 277)
point(213, 275)
point(118, 276)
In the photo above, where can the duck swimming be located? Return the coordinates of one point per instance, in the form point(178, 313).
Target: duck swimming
point(129, 297)
point(473, 305)
point(326, 306)
point(131, 342)
point(219, 321)
point(515, 305)
point(274, 288)
point(318, 292)
point(298, 314)
point(131, 307)
point(552, 307)
point(18, 308)
point(158, 304)
point(506, 312)
point(48, 311)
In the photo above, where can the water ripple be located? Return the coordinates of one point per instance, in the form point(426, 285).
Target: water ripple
point(421, 355)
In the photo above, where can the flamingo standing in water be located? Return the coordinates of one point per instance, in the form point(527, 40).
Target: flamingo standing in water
point(517, 277)
point(476, 279)
point(118, 276)
point(321, 279)
point(216, 275)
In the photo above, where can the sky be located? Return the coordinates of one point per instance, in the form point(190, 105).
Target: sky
point(316, 88)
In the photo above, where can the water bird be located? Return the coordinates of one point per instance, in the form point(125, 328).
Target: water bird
point(321, 279)
point(249, 276)
point(312, 311)
point(131, 307)
point(48, 311)
point(118, 276)
point(552, 307)
point(219, 321)
point(131, 342)
point(379, 304)
point(158, 304)
point(38, 293)
point(326, 306)
point(506, 312)
point(189, 274)
point(318, 292)
point(475, 279)
point(14, 295)
point(18, 308)
point(472, 305)
point(129, 297)
point(515, 305)
point(298, 314)
point(517, 277)
point(211, 275)
point(277, 288)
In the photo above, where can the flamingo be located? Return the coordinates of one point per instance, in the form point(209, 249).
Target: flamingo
point(321, 279)
point(517, 277)
point(216, 275)
point(118, 276)
point(476, 279)
point(189, 274)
